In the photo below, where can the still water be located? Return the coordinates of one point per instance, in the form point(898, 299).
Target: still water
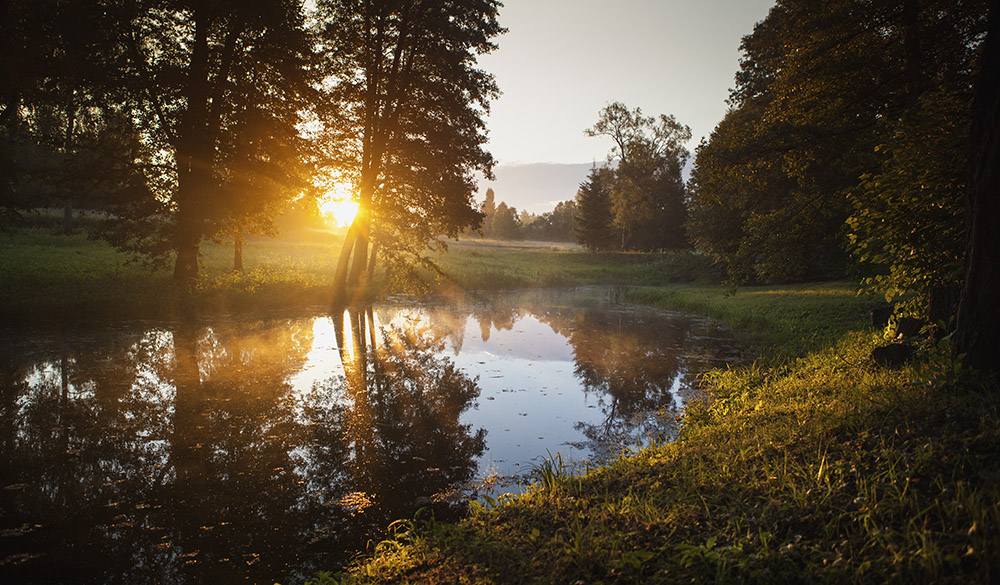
point(263, 449)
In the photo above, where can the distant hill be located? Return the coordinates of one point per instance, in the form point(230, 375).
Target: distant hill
point(535, 187)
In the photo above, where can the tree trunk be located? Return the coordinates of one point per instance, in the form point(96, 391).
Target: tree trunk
point(977, 334)
point(350, 274)
point(68, 151)
point(195, 145)
point(360, 255)
point(371, 261)
point(340, 276)
point(238, 251)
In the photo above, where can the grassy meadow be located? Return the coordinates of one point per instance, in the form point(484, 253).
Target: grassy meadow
point(50, 277)
point(809, 465)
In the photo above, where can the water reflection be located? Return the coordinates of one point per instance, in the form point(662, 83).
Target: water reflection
point(262, 450)
point(183, 454)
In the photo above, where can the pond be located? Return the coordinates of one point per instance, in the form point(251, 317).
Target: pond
point(263, 449)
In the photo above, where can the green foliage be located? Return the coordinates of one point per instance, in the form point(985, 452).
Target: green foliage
point(553, 226)
point(820, 87)
point(592, 226)
point(506, 223)
point(401, 119)
point(645, 192)
point(908, 220)
point(550, 472)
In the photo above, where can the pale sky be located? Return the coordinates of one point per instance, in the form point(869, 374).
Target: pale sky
point(564, 60)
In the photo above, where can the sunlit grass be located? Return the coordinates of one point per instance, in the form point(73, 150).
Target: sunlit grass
point(810, 465)
point(46, 276)
point(823, 469)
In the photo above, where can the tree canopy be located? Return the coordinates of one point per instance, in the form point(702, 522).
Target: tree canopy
point(646, 189)
point(845, 140)
point(404, 122)
point(210, 117)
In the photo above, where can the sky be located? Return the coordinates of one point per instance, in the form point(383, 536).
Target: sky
point(561, 61)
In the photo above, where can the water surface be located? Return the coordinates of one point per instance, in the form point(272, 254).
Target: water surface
point(262, 449)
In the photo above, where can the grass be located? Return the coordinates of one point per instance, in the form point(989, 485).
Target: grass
point(493, 265)
point(49, 277)
point(787, 320)
point(808, 466)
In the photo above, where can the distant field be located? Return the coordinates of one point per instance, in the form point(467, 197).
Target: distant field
point(496, 265)
point(46, 276)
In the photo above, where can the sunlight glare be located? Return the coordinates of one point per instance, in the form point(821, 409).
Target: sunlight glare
point(337, 207)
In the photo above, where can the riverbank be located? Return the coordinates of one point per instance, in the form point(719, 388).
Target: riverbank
point(50, 278)
point(809, 466)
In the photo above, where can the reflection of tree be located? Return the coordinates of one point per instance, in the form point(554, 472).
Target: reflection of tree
point(632, 367)
point(186, 455)
point(495, 316)
point(409, 445)
point(231, 450)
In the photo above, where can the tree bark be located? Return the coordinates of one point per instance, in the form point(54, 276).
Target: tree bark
point(340, 276)
point(360, 264)
point(194, 158)
point(350, 274)
point(238, 251)
point(977, 334)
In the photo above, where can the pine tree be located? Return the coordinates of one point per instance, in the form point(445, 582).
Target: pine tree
point(592, 226)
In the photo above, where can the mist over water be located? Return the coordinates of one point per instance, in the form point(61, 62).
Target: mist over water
point(267, 448)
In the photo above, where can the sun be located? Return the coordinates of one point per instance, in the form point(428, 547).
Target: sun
point(337, 207)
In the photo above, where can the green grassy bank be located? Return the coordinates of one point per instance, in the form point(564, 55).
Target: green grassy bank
point(49, 277)
point(817, 468)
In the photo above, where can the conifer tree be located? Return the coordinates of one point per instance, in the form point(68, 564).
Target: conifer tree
point(592, 226)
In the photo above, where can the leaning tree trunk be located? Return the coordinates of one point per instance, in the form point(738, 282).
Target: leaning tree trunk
point(350, 274)
point(343, 264)
point(977, 333)
point(359, 267)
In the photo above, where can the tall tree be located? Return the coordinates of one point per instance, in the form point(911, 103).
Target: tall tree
point(978, 330)
point(407, 128)
point(488, 209)
point(228, 41)
point(178, 79)
point(827, 94)
point(592, 227)
point(506, 223)
point(647, 195)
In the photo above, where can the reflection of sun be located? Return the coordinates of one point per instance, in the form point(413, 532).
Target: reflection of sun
point(337, 207)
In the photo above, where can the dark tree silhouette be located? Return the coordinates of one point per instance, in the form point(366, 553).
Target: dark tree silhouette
point(978, 326)
point(405, 123)
point(593, 200)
